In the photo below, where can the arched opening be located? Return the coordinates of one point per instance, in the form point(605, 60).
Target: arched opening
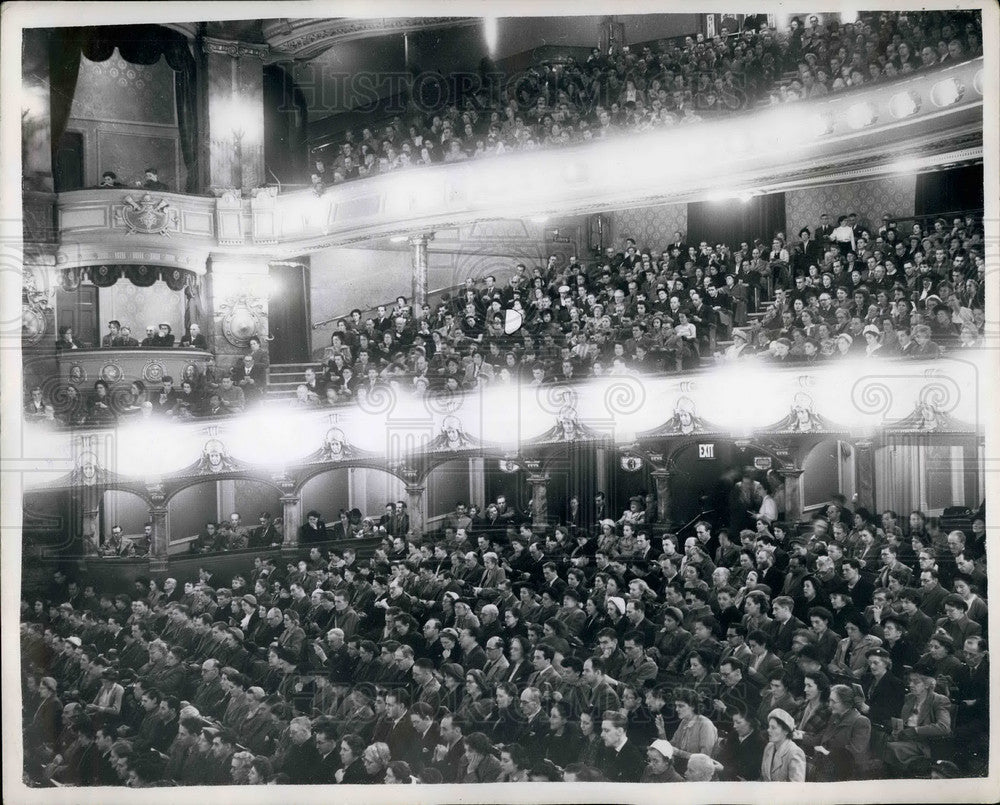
point(449, 482)
point(827, 467)
point(367, 489)
point(128, 510)
point(213, 501)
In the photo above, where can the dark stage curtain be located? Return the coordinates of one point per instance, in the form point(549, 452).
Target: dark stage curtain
point(952, 190)
point(64, 68)
point(137, 44)
point(285, 117)
point(734, 221)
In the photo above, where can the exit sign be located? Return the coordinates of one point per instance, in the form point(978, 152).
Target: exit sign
point(706, 451)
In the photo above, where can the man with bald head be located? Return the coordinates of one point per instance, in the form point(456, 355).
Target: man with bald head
point(209, 696)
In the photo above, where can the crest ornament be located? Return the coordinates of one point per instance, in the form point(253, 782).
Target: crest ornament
point(243, 317)
point(147, 216)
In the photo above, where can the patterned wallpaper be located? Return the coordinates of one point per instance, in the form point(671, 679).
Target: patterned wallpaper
point(136, 307)
point(129, 93)
point(871, 200)
point(652, 227)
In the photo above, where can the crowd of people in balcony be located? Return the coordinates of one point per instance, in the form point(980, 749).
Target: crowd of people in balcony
point(850, 647)
point(842, 288)
point(835, 292)
point(649, 87)
point(119, 336)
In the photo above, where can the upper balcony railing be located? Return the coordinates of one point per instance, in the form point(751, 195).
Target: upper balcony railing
point(927, 119)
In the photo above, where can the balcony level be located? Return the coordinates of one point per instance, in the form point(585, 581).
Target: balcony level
point(923, 121)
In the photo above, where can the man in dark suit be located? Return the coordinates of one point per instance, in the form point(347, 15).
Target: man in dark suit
point(782, 628)
point(252, 378)
point(620, 759)
point(313, 529)
point(449, 754)
point(194, 338)
point(401, 737)
point(534, 727)
point(824, 231)
point(265, 534)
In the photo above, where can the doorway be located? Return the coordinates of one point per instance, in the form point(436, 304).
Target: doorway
point(288, 313)
point(79, 310)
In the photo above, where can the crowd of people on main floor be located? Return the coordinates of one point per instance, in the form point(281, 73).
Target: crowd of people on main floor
point(850, 647)
point(644, 88)
point(837, 290)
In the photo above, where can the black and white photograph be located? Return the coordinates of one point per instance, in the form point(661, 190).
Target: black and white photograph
point(492, 394)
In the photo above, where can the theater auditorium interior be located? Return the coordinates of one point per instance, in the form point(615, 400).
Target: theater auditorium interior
point(429, 400)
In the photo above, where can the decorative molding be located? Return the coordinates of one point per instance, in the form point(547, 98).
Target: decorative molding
point(305, 39)
point(236, 50)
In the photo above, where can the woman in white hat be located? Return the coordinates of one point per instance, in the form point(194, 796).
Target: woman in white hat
point(784, 760)
point(873, 340)
point(659, 764)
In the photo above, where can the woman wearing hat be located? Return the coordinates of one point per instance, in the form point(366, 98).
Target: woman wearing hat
point(107, 704)
point(376, 760)
point(659, 765)
point(842, 750)
point(477, 706)
point(783, 761)
point(940, 656)
point(851, 659)
point(925, 716)
point(608, 539)
point(453, 679)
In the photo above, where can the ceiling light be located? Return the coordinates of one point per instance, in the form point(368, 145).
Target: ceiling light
point(947, 92)
point(977, 81)
point(861, 115)
point(904, 104)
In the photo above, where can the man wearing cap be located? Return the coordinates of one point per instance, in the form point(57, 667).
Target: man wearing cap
point(925, 716)
point(258, 730)
point(46, 723)
point(163, 339)
point(659, 764)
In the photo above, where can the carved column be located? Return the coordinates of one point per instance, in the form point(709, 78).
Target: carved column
point(235, 113)
point(793, 493)
point(418, 244)
point(91, 523)
point(539, 500)
point(661, 478)
point(415, 505)
point(864, 473)
point(291, 518)
point(159, 547)
point(477, 480)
